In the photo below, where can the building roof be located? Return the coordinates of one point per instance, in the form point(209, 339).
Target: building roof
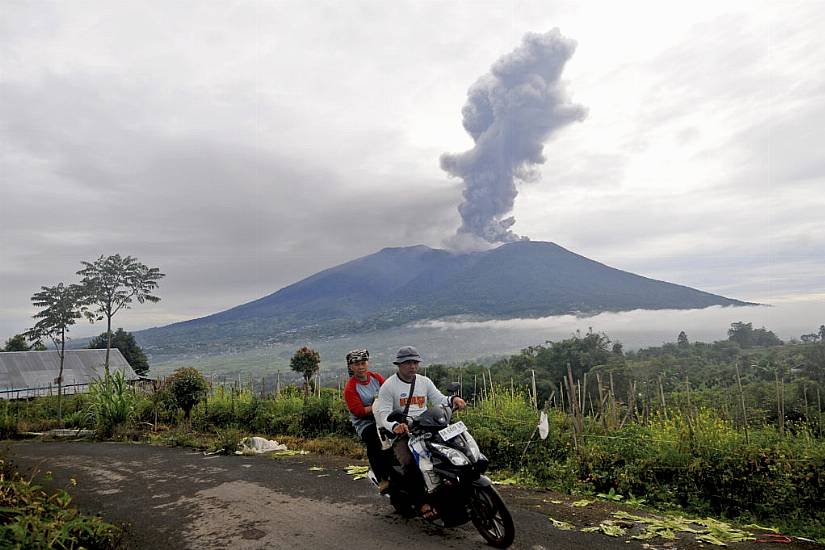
point(29, 373)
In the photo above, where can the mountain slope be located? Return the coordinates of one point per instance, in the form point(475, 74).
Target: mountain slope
point(398, 285)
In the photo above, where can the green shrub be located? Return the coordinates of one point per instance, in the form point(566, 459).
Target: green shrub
point(77, 419)
point(34, 519)
point(111, 403)
point(8, 427)
point(188, 387)
point(227, 441)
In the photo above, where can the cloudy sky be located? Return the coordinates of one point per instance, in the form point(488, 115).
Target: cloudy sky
point(242, 146)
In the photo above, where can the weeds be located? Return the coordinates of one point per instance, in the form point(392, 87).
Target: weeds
point(34, 519)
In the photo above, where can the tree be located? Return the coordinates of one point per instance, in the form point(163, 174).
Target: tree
point(18, 342)
point(745, 336)
point(580, 352)
point(125, 342)
point(111, 284)
point(682, 340)
point(741, 333)
point(306, 362)
point(188, 387)
point(60, 307)
point(822, 332)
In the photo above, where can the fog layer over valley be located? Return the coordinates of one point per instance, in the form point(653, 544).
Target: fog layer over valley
point(455, 341)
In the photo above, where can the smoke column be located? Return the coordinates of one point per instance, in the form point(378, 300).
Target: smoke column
point(509, 113)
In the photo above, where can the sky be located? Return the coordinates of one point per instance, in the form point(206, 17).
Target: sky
point(243, 146)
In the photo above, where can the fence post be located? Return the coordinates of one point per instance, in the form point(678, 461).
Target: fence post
point(744, 408)
point(780, 412)
point(574, 403)
point(662, 394)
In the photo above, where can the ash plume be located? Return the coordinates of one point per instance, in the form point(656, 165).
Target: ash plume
point(510, 113)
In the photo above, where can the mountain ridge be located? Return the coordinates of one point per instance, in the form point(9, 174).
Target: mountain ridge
point(397, 285)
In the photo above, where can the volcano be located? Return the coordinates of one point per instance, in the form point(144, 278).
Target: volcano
point(396, 286)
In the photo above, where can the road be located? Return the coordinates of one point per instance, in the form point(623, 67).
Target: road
point(178, 498)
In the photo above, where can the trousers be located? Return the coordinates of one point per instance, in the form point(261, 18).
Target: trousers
point(378, 459)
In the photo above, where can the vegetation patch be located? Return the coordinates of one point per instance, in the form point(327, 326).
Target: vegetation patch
point(32, 518)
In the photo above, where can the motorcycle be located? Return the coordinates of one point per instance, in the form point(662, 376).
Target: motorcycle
point(459, 490)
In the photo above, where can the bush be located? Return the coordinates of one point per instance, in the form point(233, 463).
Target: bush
point(227, 441)
point(8, 427)
point(188, 387)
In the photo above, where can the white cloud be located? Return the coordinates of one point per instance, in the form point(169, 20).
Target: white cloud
point(241, 147)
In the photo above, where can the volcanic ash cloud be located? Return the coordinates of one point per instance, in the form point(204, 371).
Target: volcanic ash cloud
point(510, 113)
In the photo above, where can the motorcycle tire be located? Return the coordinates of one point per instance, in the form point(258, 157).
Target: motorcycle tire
point(491, 517)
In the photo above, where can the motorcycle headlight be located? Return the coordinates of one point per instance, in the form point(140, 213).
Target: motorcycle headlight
point(472, 447)
point(452, 455)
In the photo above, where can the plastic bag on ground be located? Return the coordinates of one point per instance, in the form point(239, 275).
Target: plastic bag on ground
point(259, 445)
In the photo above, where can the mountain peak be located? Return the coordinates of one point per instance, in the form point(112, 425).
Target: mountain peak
point(397, 285)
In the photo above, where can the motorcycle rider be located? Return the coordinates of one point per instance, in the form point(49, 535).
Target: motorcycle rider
point(360, 393)
point(394, 396)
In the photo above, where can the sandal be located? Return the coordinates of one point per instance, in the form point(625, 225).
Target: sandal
point(428, 512)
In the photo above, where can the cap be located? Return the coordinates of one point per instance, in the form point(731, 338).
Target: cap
point(357, 355)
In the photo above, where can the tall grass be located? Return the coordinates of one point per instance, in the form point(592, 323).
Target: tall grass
point(112, 403)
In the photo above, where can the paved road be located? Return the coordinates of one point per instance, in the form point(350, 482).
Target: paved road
point(177, 498)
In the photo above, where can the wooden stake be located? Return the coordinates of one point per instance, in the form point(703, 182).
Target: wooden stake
point(574, 404)
point(561, 395)
point(744, 408)
point(662, 394)
point(780, 416)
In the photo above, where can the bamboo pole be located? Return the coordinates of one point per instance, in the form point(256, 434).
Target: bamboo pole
point(561, 395)
point(601, 393)
point(570, 398)
point(744, 408)
point(614, 408)
point(662, 394)
point(535, 394)
point(780, 417)
point(574, 403)
point(805, 396)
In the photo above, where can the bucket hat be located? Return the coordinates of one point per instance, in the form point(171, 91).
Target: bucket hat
point(406, 353)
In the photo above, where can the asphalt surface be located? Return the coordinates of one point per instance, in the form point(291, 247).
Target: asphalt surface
point(178, 498)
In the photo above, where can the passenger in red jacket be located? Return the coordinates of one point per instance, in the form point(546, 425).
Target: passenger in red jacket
point(360, 392)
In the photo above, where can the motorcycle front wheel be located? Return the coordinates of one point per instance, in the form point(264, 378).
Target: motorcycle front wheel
point(491, 517)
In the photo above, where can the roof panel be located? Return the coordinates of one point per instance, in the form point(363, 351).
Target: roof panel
point(38, 369)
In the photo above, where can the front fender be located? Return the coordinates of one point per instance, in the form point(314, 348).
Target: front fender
point(483, 481)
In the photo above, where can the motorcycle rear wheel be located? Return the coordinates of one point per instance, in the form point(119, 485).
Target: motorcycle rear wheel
point(491, 517)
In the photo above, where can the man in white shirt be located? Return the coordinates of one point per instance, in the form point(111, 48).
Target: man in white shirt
point(393, 397)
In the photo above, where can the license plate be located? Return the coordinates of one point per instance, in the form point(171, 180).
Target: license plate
point(452, 430)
